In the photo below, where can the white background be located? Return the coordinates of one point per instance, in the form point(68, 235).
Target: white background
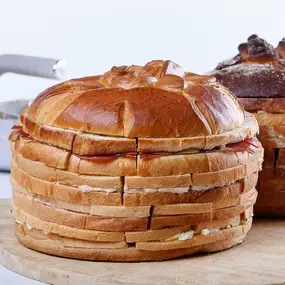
point(92, 36)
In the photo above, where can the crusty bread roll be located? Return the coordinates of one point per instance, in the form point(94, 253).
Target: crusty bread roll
point(257, 76)
point(141, 163)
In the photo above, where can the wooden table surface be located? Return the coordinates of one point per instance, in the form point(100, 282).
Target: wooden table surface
point(259, 260)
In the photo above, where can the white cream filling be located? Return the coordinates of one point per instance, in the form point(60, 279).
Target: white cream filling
point(182, 236)
point(186, 235)
point(19, 222)
point(29, 227)
point(207, 187)
point(86, 189)
point(42, 202)
point(204, 232)
point(179, 190)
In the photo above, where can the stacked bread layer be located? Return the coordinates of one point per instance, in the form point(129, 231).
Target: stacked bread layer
point(122, 199)
point(271, 200)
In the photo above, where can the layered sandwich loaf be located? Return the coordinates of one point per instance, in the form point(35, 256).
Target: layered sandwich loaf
point(141, 163)
point(257, 76)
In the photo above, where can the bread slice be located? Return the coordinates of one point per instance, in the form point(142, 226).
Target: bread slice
point(194, 241)
point(47, 213)
point(49, 155)
point(63, 192)
point(166, 233)
point(78, 142)
point(113, 165)
point(173, 181)
point(70, 242)
point(41, 171)
point(227, 213)
point(180, 209)
point(247, 130)
point(219, 193)
point(222, 213)
point(129, 254)
point(71, 232)
point(199, 163)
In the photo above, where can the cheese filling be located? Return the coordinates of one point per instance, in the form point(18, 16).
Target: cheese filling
point(179, 190)
point(189, 235)
point(86, 189)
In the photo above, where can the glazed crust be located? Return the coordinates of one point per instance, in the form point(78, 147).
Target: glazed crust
point(123, 102)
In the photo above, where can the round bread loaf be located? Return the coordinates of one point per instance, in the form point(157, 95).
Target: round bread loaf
point(141, 163)
point(257, 76)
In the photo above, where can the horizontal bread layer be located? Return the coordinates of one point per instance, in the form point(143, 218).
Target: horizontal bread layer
point(112, 184)
point(88, 183)
point(140, 211)
point(248, 130)
point(223, 213)
point(163, 234)
point(21, 179)
point(46, 211)
point(113, 165)
point(196, 240)
point(50, 227)
point(32, 222)
point(125, 254)
point(90, 144)
point(178, 209)
point(141, 165)
point(78, 142)
point(59, 240)
point(40, 170)
point(219, 194)
point(97, 210)
point(63, 192)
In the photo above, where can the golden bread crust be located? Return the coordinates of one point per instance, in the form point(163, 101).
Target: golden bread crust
point(132, 103)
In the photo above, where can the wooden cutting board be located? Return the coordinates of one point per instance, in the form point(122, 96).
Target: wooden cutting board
point(259, 260)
